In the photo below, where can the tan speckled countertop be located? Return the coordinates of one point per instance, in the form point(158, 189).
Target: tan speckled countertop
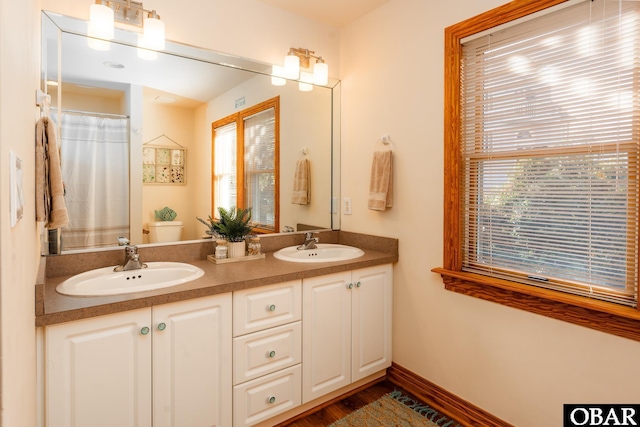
point(52, 307)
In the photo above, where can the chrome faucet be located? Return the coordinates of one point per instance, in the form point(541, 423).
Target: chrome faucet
point(132, 260)
point(309, 242)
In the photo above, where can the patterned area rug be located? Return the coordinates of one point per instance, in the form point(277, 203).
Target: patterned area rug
point(395, 409)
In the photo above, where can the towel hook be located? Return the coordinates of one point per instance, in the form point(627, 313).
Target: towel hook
point(385, 141)
point(303, 151)
point(43, 100)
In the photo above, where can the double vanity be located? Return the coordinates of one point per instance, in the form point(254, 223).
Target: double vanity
point(242, 344)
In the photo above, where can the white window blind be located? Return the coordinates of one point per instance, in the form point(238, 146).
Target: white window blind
point(550, 123)
point(260, 172)
point(224, 158)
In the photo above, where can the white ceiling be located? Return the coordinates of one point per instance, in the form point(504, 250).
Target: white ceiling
point(335, 13)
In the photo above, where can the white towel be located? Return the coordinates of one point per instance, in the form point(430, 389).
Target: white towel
point(50, 206)
point(302, 183)
point(381, 183)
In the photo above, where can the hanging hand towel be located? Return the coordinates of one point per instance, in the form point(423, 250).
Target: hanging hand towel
point(50, 206)
point(381, 183)
point(302, 183)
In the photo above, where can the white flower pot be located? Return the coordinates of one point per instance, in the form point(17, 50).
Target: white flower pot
point(236, 249)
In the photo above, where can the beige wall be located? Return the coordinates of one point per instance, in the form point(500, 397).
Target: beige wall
point(520, 366)
point(177, 124)
point(19, 248)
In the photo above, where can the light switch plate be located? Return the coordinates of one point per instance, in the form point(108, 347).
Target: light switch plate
point(16, 201)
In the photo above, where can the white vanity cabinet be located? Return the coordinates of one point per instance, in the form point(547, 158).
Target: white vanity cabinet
point(267, 351)
point(236, 359)
point(346, 328)
point(169, 365)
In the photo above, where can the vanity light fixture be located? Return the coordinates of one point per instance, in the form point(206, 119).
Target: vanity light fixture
point(297, 59)
point(101, 19)
point(104, 13)
point(304, 85)
point(278, 75)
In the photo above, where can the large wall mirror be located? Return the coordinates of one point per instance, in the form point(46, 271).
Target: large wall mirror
point(136, 134)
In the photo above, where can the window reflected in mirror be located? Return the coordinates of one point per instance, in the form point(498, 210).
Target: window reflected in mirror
point(245, 173)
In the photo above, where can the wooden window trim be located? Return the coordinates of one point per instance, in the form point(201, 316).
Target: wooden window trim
point(239, 118)
point(595, 314)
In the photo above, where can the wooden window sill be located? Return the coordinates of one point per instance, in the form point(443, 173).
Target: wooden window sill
point(595, 314)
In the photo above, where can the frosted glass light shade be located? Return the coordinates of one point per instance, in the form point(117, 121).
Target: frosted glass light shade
point(153, 34)
point(100, 27)
point(143, 52)
point(305, 82)
point(277, 75)
point(291, 66)
point(321, 73)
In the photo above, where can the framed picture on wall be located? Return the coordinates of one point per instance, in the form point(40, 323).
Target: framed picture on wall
point(163, 164)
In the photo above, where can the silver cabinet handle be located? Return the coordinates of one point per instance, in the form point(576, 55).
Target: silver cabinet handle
point(350, 286)
point(145, 330)
point(272, 354)
point(272, 307)
point(272, 399)
point(358, 284)
point(162, 326)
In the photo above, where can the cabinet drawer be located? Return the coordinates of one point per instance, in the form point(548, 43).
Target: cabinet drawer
point(267, 306)
point(263, 352)
point(267, 396)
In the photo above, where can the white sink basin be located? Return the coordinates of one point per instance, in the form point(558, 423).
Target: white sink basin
point(105, 281)
point(325, 252)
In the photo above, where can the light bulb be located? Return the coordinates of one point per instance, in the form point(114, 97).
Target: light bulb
point(305, 82)
point(291, 67)
point(277, 74)
point(153, 33)
point(321, 73)
point(100, 27)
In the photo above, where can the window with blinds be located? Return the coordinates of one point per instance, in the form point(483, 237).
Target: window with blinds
point(549, 126)
point(245, 163)
point(259, 170)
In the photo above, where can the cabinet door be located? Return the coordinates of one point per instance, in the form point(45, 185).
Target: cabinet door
point(98, 371)
point(371, 320)
point(192, 363)
point(326, 325)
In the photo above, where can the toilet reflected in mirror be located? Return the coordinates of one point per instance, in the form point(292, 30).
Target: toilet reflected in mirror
point(165, 231)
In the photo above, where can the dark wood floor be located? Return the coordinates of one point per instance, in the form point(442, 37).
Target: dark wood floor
point(344, 407)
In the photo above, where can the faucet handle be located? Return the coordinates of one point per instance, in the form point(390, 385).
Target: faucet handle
point(131, 250)
point(123, 241)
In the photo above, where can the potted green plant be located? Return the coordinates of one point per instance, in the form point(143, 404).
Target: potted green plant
point(210, 223)
point(233, 226)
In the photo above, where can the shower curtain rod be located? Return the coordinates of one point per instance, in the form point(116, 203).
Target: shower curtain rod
point(91, 113)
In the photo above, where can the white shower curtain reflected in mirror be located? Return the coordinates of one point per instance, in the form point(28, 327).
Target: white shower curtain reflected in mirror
point(94, 153)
